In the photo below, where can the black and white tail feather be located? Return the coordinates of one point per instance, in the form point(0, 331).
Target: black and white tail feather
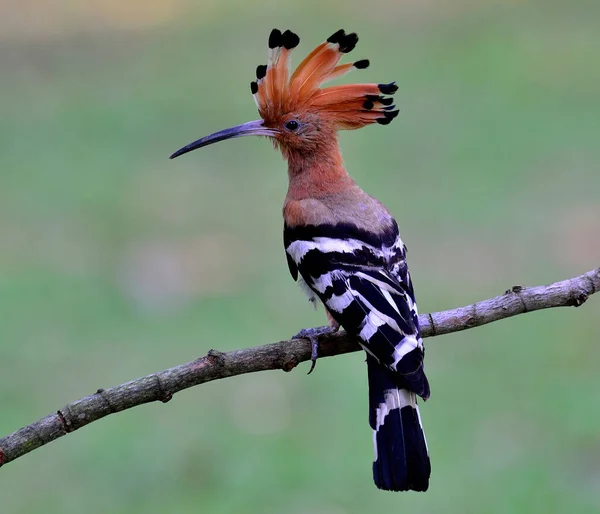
point(401, 457)
point(363, 280)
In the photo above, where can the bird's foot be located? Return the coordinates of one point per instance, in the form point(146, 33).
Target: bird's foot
point(313, 334)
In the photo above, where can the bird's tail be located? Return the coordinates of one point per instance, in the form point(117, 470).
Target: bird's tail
point(401, 457)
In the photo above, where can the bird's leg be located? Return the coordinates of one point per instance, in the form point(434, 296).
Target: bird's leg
point(313, 334)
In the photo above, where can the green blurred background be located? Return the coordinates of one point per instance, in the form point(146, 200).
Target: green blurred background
point(117, 262)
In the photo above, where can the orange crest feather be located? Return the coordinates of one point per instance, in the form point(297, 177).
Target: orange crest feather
point(352, 106)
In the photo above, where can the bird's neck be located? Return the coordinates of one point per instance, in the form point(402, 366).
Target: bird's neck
point(318, 173)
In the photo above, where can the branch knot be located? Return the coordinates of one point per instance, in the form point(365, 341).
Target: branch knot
point(216, 358)
point(289, 363)
point(66, 425)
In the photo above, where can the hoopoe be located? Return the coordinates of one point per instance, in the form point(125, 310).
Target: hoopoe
point(342, 245)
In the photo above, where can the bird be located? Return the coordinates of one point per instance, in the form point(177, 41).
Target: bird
point(342, 245)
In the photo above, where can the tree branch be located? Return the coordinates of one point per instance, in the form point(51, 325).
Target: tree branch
point(284, 355)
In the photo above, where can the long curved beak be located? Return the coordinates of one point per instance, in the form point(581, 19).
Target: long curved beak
point(252, 128)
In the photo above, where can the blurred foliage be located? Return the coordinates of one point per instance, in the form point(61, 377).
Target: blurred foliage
point(116, 262)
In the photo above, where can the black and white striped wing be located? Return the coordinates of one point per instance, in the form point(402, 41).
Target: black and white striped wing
point(364, 282)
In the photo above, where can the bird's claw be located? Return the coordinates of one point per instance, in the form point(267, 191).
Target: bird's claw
point(313, 334)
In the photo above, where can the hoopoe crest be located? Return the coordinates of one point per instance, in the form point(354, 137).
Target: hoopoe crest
point(295, 110)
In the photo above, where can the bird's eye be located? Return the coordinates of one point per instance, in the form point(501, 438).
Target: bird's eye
point(292, 125)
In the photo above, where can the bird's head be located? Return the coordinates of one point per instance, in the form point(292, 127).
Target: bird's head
point(298, 114)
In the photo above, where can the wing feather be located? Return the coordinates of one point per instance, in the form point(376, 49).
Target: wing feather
point(367, 289)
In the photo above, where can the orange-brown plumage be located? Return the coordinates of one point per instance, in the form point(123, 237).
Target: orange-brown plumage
point(316, 113)
point(314, 72)
point(279, 95)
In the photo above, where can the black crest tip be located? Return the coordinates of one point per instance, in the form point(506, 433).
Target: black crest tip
point(362, 64)
point(289, 40)
point(275, 38)
point(388, 89)
point(381, 99)
point(368, 104)
point(254, 87)
point(261, 71)
point(348, 43)
point(336, 37)
point(388, 117)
